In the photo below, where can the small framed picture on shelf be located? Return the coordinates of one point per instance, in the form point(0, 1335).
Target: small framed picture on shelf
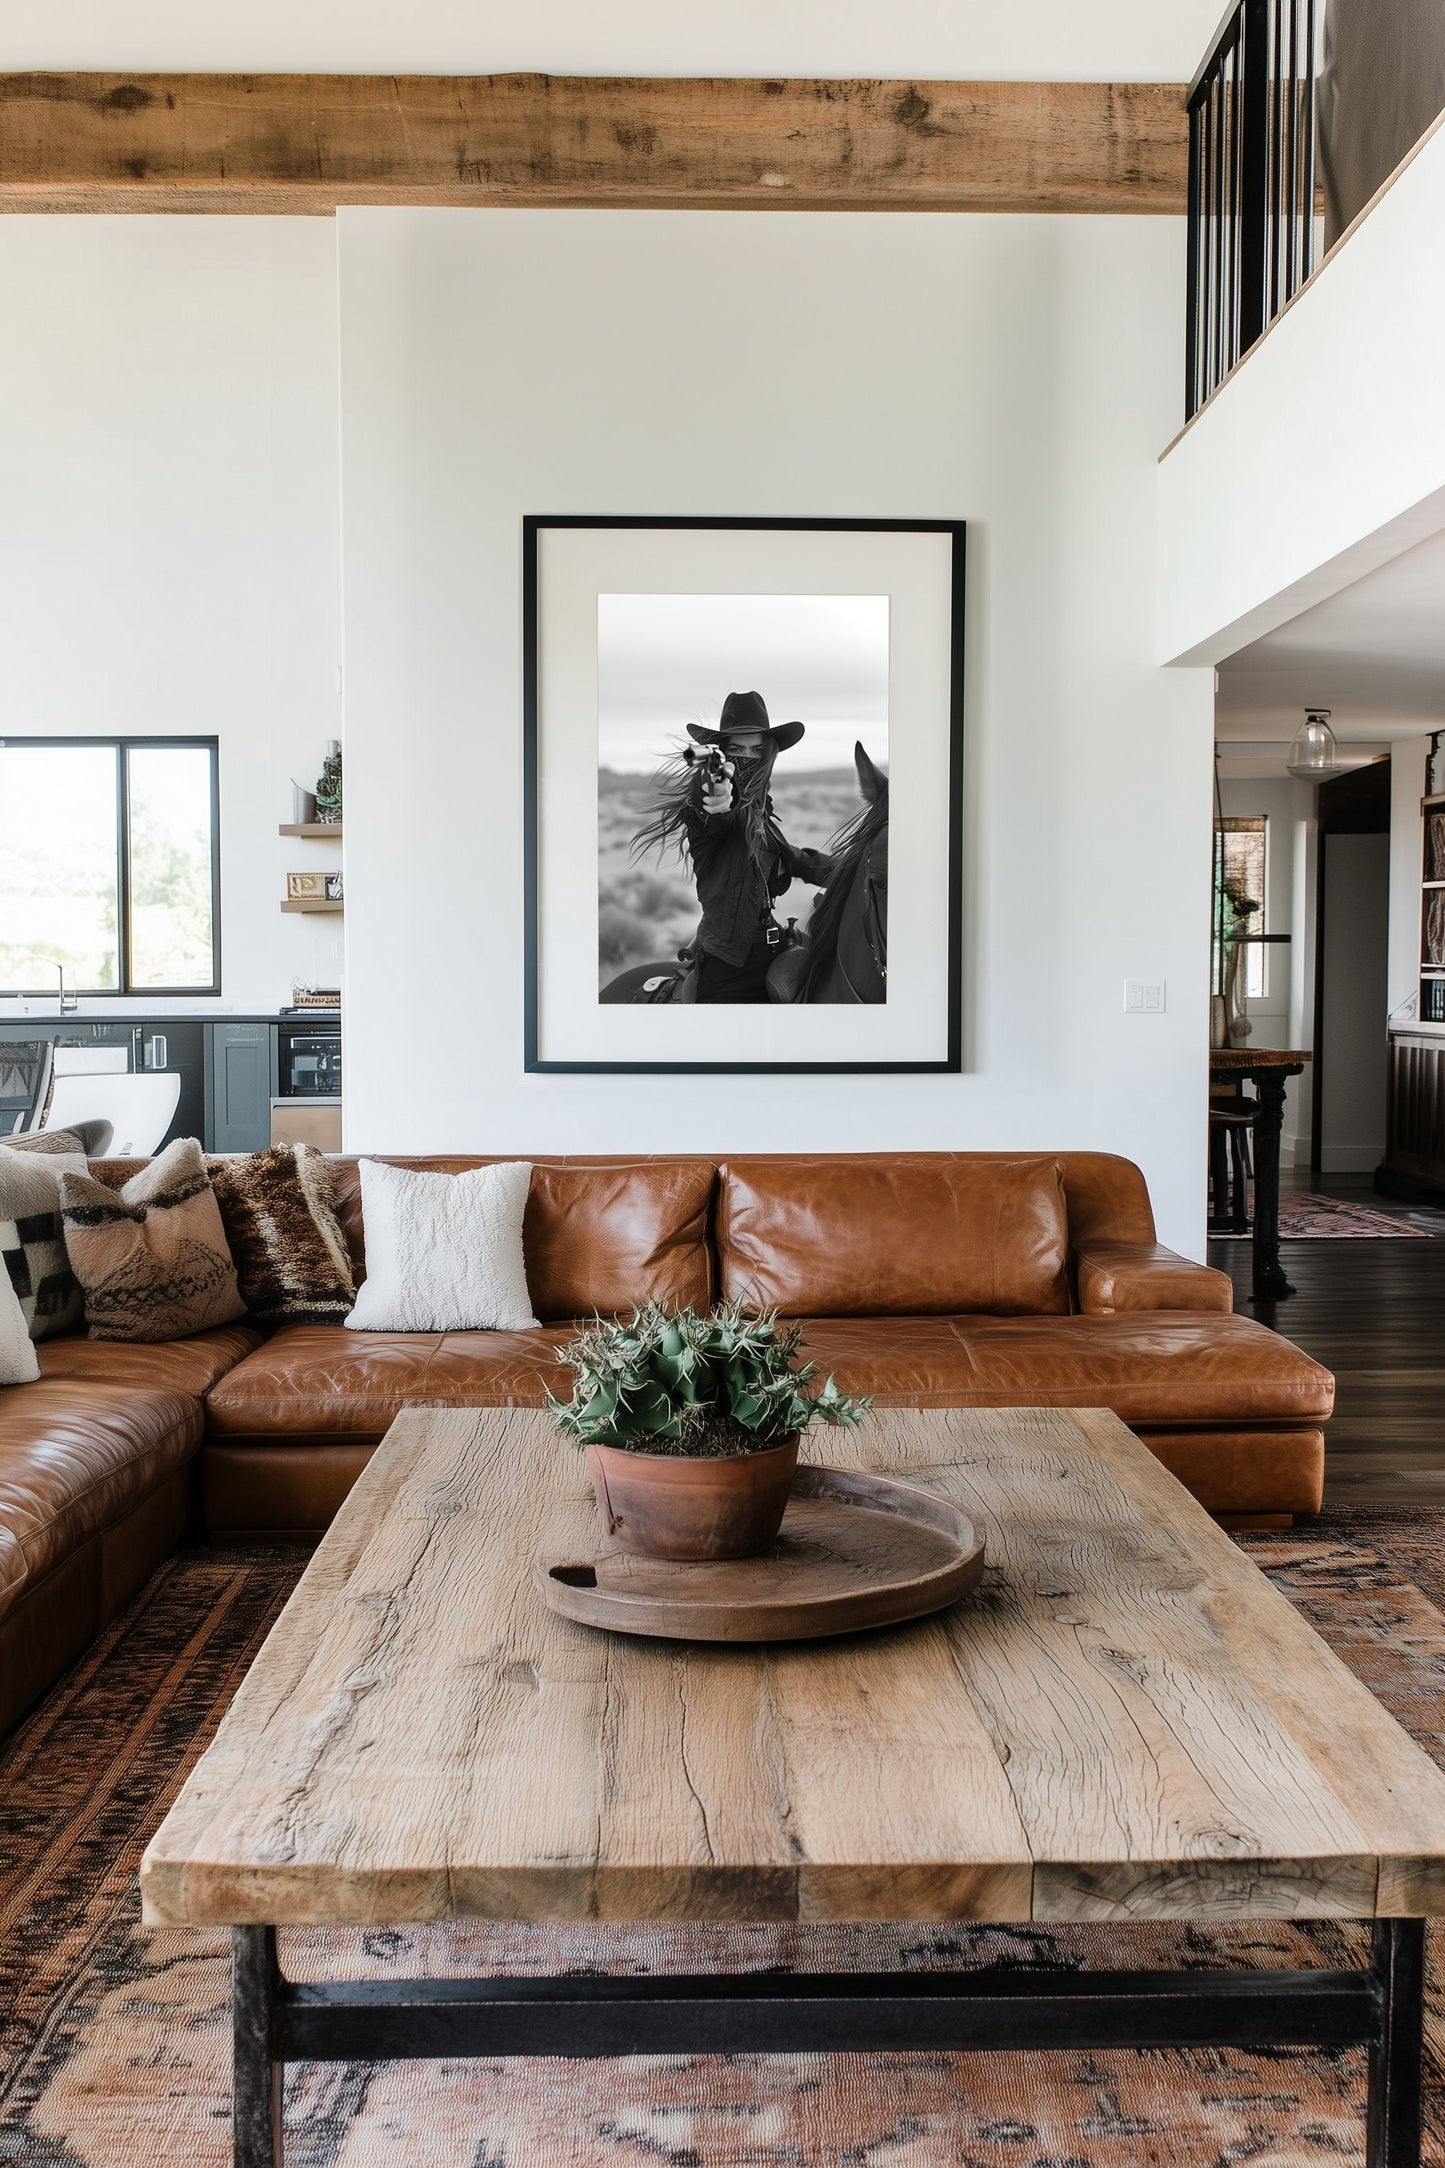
point(300, 886)
point(333, 887)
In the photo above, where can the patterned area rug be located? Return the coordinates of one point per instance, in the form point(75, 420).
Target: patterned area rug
point(1305, 1217)
point(113, 2040)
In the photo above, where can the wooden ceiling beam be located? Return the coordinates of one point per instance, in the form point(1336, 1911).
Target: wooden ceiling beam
point(306, 143)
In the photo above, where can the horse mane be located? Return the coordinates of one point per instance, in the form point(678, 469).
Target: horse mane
point(850, 846)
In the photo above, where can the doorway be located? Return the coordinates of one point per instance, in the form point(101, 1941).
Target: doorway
point(1351, 973)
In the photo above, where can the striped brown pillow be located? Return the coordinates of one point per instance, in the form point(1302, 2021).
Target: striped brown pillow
point(279, 1211)
point(151, 1258)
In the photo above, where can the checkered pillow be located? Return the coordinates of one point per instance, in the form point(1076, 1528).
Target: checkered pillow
point(32, 1240)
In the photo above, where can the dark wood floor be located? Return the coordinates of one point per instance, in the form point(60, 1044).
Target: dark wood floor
point(1374, 1313)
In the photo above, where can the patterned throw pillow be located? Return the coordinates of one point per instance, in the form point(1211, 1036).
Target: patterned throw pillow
point(278, 1208)
point(18, 1362)
point(32, 1241)
point(151, 1258)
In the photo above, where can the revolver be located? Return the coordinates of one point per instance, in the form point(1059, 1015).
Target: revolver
point(713, 763)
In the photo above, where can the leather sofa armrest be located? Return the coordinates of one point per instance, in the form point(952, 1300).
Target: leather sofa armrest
point(1115, 1276)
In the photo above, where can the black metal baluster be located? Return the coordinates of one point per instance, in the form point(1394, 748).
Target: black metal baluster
point(1290, 146)
point(1250, 185)
point(1278, 179)
point(1192, 371)
point(1307, 246)
point(1221, 214)
point(1253, 170)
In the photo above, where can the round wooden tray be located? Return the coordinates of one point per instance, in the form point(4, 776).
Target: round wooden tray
point(855, 1551)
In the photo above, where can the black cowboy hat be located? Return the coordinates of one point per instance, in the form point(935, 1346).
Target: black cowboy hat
point(746, 711)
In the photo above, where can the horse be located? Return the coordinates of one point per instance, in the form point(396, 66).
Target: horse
point(843, 954)
point(844, 957)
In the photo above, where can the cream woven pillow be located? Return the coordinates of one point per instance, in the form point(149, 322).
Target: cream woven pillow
point(443, 1251)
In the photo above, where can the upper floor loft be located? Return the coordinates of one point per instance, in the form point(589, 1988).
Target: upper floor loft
point(1314, 449)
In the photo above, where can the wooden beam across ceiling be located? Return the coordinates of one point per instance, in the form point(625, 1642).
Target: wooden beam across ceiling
point(306, 143)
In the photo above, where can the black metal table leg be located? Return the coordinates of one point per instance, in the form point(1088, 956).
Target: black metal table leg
point(1269, 1280)
point(1394, 2112)
point(257, 2068)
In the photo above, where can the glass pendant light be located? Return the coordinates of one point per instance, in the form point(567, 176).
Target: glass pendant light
point(1314, 756)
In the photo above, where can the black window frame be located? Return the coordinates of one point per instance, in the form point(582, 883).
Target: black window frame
point(122, 747)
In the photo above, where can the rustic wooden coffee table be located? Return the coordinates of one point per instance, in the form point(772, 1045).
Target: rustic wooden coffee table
point(1126, 1722)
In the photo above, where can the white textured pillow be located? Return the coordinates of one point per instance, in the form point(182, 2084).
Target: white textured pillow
point(443, 1251)
point(19, 1364)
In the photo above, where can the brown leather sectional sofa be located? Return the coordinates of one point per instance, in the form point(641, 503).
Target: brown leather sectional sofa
point(926, 1279)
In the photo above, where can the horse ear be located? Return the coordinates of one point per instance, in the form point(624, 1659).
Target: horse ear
point(871, 781)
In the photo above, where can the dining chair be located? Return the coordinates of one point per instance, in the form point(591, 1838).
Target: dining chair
point(141, 1107)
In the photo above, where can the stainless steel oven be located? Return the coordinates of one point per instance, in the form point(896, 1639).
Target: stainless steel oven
point(308, 1061)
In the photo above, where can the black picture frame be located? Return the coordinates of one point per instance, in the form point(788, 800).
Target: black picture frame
point(534, 525)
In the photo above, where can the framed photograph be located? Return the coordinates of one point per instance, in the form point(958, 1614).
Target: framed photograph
point(743, 794)
point(334, 890)
point(300, 885)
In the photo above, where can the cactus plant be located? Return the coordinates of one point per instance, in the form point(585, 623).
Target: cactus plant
point(677, 1382)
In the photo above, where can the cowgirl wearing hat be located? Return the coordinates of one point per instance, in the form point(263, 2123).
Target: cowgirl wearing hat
point(723, 817)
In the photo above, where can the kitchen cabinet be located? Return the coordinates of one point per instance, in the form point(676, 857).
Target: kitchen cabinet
point(240, 1068)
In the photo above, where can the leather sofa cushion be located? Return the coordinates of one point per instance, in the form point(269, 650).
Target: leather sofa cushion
point(1172, 1369)
point(1114, 1276)
point(597, 1237)
point(321, 1381)
point(260, 1487)
point(894, 1237)
point(315, 1382)
point(175, 1366)
point(75, 1458)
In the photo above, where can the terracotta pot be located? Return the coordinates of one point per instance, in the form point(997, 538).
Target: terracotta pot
point(681, 1508)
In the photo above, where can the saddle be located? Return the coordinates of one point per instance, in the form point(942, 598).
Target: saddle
point(670, 986)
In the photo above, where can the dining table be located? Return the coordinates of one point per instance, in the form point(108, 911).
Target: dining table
point(1268, 1069)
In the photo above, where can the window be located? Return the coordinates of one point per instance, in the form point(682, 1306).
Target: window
point(1241, 872)
point(109, 865)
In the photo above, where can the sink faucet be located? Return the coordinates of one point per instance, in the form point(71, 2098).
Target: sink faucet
point(69, 1003)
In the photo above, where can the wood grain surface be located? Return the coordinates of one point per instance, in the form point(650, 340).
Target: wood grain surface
point(1124, 1721)
point(306, 143)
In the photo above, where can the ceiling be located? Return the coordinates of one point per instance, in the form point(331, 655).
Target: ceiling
point(1374, 654)
point(1031, 40)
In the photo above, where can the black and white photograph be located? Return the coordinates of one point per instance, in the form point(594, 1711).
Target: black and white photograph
point(743, 764)
point(742, 798)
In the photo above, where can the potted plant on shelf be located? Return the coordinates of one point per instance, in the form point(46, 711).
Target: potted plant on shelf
point(691, 1425)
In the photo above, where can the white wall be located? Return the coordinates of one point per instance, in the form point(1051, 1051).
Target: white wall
point(169, 525)
point(1109, 40)
point(1408, 758)
point(1018, 372)
point(1324, 456)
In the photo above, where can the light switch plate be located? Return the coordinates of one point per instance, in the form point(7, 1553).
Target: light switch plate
point(1144, 997)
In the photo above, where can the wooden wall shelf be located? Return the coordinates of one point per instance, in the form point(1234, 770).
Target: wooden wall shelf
point(318, 831)
point(313, 903)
